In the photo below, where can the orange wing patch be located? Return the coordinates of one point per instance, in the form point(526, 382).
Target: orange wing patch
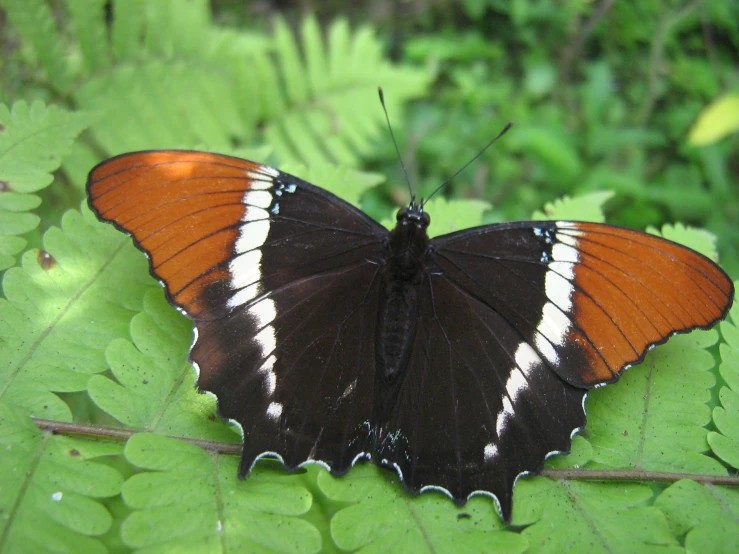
point(183, 208)
point(633, 290)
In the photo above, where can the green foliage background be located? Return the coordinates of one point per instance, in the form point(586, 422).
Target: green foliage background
point(607, 98)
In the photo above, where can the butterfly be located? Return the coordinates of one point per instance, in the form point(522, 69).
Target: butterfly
point(461, 362)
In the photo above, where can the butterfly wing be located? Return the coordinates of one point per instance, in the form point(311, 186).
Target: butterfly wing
point(517, 322)
point(269, 267)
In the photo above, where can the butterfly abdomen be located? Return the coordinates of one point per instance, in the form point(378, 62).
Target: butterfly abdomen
point(406, 254)
point(396, 327)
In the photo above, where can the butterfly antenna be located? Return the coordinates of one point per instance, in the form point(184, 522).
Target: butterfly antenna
point(460, 170)
point(395, 143)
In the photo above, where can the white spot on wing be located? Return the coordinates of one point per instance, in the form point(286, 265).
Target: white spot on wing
point(258, 180)
point(270, 378)
point(349, 390)
point(526, 358)
point(258, 198)
point(245, 295)
point(263, 312)
point(274, 410)
point(490, 451)
point(546, 349)
point(267, 340)
point(270, 383)
point(559, 290)
point(252, 213)
point(554, 324)
point(271, 171)
point(565, 269)
point(245, 269)
point(515, 384)
point(502, 421)
point(564, 252)
point(252, 236)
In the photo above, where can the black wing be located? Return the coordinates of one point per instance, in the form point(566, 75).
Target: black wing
point(281, 279)
point(517, 322)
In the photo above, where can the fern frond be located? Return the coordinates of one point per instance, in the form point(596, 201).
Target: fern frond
point(338, 119)
point(143, 107)
point(50, 487)
point(36, 25)
point(154, 386)
point(316, 61)
point(61, 310)
point(33, 141)
point(88, 18)
point(594, 516)
point(127, 28)
point(291, 65)
point(376, 516)
point(178, 28)
point(656, 418)
point(190, 499)
point(706, 516)
point(584, 207)
point(725, 442)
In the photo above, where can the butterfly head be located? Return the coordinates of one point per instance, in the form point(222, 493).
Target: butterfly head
point(413, 217)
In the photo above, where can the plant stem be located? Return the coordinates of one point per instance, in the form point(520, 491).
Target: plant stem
point(94, 431)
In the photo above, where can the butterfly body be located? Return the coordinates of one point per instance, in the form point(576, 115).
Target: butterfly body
point(460, 361)
point(402, 278)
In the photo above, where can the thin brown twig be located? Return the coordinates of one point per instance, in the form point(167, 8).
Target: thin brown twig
point(95, 431)
point(638, 475)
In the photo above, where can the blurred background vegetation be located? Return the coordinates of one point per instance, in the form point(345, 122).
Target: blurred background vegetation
point(603, 93)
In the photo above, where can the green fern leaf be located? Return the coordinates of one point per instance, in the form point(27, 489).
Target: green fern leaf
point(383, 518)
point(581, 452)
point(709, 515)
point(178, 28)
point(191, 499)
point(62, 309)
point(33, 141)
point(339, 46)
point(127, 27)
point(15, 220)
point(315, 56)
point(49, 489)
point(142, 107)
point(655, 417)
point(38, 138)
point(698, 239)
point(584, 207)
point(291, 66)
point(37, 27)
point(725, 442)
point(88, 18)
point(154, 386)
point(594, 516)
point(336, 122)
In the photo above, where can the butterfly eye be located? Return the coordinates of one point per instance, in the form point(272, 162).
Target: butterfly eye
point(426, 219)
point(402, 213)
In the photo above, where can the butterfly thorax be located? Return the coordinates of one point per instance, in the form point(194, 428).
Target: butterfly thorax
point(406, 251)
